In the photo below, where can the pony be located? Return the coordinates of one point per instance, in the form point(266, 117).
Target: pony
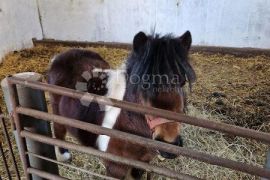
point(154, 75)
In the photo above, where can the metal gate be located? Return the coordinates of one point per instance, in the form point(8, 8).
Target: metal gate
point(24, 134)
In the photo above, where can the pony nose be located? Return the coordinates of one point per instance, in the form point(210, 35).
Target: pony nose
point(178, 142)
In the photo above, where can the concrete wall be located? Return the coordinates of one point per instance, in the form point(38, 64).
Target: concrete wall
point(19, 23)
point(233, 23)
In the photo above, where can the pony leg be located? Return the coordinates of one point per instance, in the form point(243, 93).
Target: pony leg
point(121, 171)
point(131, 151)
point(60, 130)
point(62, 154)
point(134, 174)
point(148, 175)
point(116, 170)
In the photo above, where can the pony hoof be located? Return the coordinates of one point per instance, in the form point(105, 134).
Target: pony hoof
point(63, 157)
point(161, 158)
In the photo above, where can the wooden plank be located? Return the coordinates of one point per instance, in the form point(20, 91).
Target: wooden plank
point(239, 52)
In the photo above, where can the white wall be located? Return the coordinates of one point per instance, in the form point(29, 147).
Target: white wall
point(19, 23)
point(234, 23)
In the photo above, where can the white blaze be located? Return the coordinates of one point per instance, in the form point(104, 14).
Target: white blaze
point(116, 86)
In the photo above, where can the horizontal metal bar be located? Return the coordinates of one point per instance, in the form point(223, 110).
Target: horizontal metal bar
point(147, 142)
point(108, 156)
point(70, 166)
point(217, 126)
point(44, 174)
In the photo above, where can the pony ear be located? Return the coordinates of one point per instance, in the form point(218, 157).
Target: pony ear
point(186, 40)
point(139, 41)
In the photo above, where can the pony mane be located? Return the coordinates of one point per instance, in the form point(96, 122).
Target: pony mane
point(161, 55)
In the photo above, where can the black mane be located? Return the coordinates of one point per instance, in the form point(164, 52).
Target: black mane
point(160, 56)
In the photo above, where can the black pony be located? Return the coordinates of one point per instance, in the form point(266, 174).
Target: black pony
point(153, 75)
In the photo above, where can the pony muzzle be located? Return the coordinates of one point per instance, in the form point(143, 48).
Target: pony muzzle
point(178, 142)
point(155, 121)
point(167, 131)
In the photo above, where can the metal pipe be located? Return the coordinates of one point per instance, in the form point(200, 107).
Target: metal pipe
point(267, 163)
point(217, 126)
point(44, 174)
point(35, 99)
point(111, 157)
point(21, 141)
point(4, 161)
point(147, 142)
point(71, 166)
point(10, 147)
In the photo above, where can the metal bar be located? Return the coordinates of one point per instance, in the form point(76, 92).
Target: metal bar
point(217, 126)
point(147, 142)
point(44, 174)
point(71, 166)
point(111, 157)
point(35, 99)
point(5, 161)
point(21, 142)
point(267, 163)
point(2, 119)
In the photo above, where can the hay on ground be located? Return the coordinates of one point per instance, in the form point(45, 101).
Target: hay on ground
point(228, 89)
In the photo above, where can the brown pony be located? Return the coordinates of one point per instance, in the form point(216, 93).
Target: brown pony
point(153, 75)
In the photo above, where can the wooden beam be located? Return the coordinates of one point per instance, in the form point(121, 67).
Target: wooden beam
point(239, 52)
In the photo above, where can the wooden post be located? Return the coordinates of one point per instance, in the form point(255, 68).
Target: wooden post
point(34, 99)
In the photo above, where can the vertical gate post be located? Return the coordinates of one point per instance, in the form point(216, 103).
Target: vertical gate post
point(267, 163)
point(4, 161)
point(34, 99)
point(9, 144)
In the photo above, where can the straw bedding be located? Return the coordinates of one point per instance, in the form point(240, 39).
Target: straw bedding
point(230, 89)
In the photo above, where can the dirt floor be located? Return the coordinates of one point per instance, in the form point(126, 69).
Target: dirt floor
point(230, 89)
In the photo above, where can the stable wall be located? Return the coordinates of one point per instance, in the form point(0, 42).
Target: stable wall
point(232, 23)
point(19, 23)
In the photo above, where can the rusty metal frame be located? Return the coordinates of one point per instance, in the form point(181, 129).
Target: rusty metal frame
point(21, 141)
point(104, 155)
point(225, 128)
point(4, 161)
point(217, 126)
point(43, 174)
point(142, 141)
point(9, 145)
point(70, 166)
